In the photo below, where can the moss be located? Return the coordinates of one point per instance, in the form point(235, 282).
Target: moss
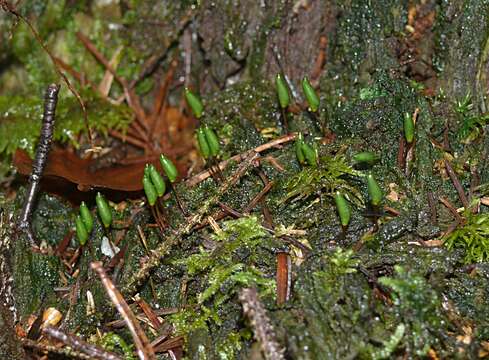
point(235, 261)
point(330, 176)
point(419, 308)
point(20, 125)
point(111, 341)
point(471, 237)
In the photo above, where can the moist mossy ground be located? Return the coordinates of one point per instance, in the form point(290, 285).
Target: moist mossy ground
point(369, 293)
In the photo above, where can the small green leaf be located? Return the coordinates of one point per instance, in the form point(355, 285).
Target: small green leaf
point(194, 103)
point(169, 168)
point(408, 128)
point(374, 190)
point(204, 149)
point(343, 208)
point(156, 179)
point(149, 190)
point(282, 91)
point(212, 140)
point(311, 95)
point(104, 210)
point(86, 216)
point(81, 230)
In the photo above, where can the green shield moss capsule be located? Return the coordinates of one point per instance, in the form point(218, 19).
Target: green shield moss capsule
point(149, 190)
point(310, 94)
point(366, 157)
point(194, 103)
point(86, 216)
point(212, 140)
point(343, 209)
point(169, 168)
point(299, 141)
point(204, 149)
point(155, 177)
point(310, 154)
point(104, 210)
point(282, 91)
point(81, 230)
point(408, 128)
point(374, 191)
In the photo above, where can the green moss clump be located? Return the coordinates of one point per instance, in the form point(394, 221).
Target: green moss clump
point(112, 341)
point(472, 237)
point(21, 120)
point(330, 176)
point(419, 308)
point(235, 261)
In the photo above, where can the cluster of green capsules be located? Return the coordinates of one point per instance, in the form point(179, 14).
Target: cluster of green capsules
point(208, 142)
point(305, 153)
point(207, 139)
point(284, 97)
point(153, 183)
point(374, 191)
point(84, 221)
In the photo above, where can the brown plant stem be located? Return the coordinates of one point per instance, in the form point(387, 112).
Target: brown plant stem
point(261, 325)
point(457, 185)
point(240, 157)
point(79, 345)
point(144, 348)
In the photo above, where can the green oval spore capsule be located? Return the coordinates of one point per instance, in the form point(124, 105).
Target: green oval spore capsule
point(366, 157)
point(86, 216)
point(194, 103)
point(374, 190)
point(408, 128)
point(204, 149)
point(311, 95)
point(81, 230)
point(156, 179)
point(149, 190)
point(104, 210)
point(310, 154)
point(212, 140)
point(299, 141)
point(169, 168)
point(282, 91)
point(343, 209)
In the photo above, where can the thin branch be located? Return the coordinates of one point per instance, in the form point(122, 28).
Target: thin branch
point(258, 197)
point(457, 185)
point(261, 325)
point(145, 350)
point(451, 208)
point(80, 346)
point(194, 180)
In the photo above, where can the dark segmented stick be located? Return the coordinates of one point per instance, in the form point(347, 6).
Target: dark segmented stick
point(42, 151)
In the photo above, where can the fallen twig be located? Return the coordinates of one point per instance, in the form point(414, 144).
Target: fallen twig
point(262, 327)
point(145, 350)
point(194, 180)
point(457, 185)
point(80, 347)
